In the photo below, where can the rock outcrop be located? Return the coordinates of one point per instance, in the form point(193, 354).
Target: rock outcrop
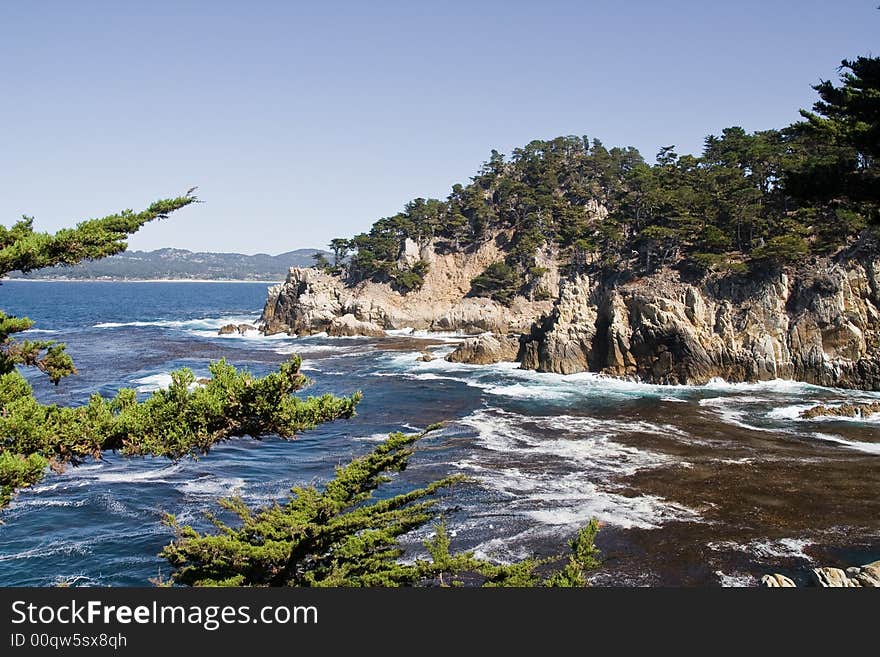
point(348, 325)
point(485, 350)
point(843, 410)
point(832, 578)
point(819, 324)
point(777, 581)
point(867, 576)
point(241, 329)
point(309, 301)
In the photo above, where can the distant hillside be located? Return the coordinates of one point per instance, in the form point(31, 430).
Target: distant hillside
point(181, 264)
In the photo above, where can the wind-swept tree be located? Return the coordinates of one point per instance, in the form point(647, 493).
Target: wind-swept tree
point(342, 535)
point(187, 418)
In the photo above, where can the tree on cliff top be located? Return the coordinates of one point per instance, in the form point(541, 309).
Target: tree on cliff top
point(186, 418)
point(846, 121)
point(770, 197)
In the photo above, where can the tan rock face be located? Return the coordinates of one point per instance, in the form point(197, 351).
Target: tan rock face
point(566, 344)
point(777, 581)
point(349, 325)
point(832, 578)
point(309, 300)
point(820, 325)
point(867, 576)
point(485, 350)
point(241, 329)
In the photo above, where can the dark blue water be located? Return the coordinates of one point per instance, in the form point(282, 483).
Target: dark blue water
point(694, 485)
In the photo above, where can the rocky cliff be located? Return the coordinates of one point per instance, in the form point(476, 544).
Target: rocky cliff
point(311, 301)
point(819, 324)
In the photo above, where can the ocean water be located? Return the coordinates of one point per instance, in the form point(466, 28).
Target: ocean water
point(694, 485)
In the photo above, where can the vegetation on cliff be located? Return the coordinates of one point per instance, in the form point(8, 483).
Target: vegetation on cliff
point(342, 536)
point(750, 200)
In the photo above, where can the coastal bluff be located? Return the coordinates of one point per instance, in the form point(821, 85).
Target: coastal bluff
point(818, 322)
point(313, 301)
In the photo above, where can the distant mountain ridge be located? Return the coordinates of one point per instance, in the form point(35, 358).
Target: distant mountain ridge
point(171, 263)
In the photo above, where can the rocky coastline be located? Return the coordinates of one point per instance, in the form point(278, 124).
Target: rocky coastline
point(817, 323)
point(867, 576)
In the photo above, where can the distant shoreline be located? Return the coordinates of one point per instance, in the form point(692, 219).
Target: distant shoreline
point(135, 280)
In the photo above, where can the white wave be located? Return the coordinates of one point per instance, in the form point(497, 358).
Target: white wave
point(583, 439)
point(868, 448)
point(441, 336)
point(75, 580)
point(508, 549)
point(773, 385)
point(507, 379)
point(793, 412)
point(373, 438)
point(214, 323)
point(49, 549)
point(575, 462)
point(297, 348)
point(642, 511)
point(406, 330)
point(745, 460)
point(767, 548)
point(431, 376)
point(211, 486)
point(40, 503)
point(251, 335)
point(723, 408)
point(569, 501)
point(37, 330)
point(127, 475)
point(350, 353)
point(735, 580)
point(153, 382)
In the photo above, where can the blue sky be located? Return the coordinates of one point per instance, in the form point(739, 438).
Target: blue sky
point(305, 121)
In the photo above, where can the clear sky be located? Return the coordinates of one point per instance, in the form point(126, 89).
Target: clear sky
point(302, 121)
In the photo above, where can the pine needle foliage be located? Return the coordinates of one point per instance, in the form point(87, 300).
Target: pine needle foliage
point(185, 419)
point(342, 535)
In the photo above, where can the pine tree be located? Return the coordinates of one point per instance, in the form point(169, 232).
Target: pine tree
point(343, 536)
point(187, 418)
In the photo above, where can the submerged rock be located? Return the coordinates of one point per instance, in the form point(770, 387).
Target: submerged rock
point(485, 350)
point(241, 329)
point(844, 410)
point(425, 357)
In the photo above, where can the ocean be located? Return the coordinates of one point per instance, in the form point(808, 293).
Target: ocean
point(694, 485)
